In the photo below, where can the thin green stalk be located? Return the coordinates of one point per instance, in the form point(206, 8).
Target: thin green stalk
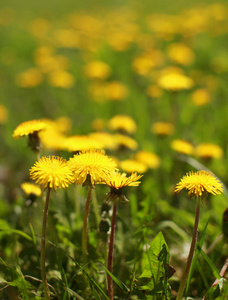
point(95, 207)
point(85, 224)
point(110, 253)
point(43, 247)
point(191, 252)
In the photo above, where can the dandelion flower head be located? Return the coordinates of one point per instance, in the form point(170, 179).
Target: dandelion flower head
point(200, 182)
point(29, 127)
point(52, 171)
point(123, 123)
point(31, 189)
point(209, 150)
point(93, 163)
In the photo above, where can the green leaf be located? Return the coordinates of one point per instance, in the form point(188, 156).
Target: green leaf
point(117, 281)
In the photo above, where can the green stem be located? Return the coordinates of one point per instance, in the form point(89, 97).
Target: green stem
point(43, 247)
point(110, 253)
point(95, 207)
point(191, 252)
point(85, 224)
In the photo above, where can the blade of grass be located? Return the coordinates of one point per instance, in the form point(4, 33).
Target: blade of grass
point(117, 281)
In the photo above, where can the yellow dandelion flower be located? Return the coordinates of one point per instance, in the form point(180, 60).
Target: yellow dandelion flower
point(106, 139)
point(199, 183)
point(201, 97)
point(209, 150)
point(29, 78)
point(52, 171)
point(115, 91)
point(132, 165)
point(81, 143)
point(61, 79)
point(150, 159)
point(93, 163)
point(97, 70)
point(182, 146)
point(3, 114)
point(162, 128)
point(175, 82)
point(29, 127)
point(181, 54)
point(125, 142)
point(123, 123)
point(31, 189)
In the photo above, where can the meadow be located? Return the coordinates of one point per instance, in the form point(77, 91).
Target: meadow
point(114, 150)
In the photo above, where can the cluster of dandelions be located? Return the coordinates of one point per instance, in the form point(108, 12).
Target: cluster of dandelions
point(87, 168)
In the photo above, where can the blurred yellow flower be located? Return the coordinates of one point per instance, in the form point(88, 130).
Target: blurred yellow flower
point(31, 189)
point(162, 128)
point(106, 139)
point(201, 97)
point(81, 143)
point(175, 82)
point(29, 78)
point(62, 79)
point(3, 114)
point(209, 150)
point(53, 172)
point(199, 183)
point(122, 123)
point(182, 146)
point(52, 139)
point(132, 165)
point(115, 90)
point(180, 54)
point(92, 163)
point(150, 159)
point(125, 142)
point(97, 70)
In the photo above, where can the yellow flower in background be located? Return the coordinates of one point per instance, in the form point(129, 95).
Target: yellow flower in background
point(200, 182)
point(29, 127)
point(52, 139)
point(97, 70)
point(182, 146)
point(31, 189)
point(181, 54)
point(125, 142)
point(61, 79)
point(53, 172)
point(81, 143)
point(123, 123)
point(92, 163)
point(3, 114)
point(201, 97)
point(175, 82)
point(106, 139)
point(209, 150)
point(115, 90)
point(29, 78)
point(131, 166)
point(150, 159)
point(162, 128)
point(63, 124)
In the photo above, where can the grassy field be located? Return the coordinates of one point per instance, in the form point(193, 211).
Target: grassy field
point(145, 85)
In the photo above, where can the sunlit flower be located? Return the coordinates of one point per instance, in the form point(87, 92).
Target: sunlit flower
point(31, 189)
point(81, 143)
point(53, 172)
point(199, 183)
point(29, 78)
point(52, 139)
point(29, 127)
point(93, 163)
point(123, 123)
point(150, 159)
point(97, 70)
point(200, 97)
point(175, 82)
point(125, 142)
point(180, 54)
point(117, 181)
point(131, 165)
point(209, 150)
point(162, 128)
point(182, 146)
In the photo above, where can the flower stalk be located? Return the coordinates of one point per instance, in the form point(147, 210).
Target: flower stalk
point(111, 252)
point(85, 223)
point(191, 252)
point(43, 247)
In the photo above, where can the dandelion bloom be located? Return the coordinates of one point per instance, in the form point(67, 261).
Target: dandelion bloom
point(93, 163)
point(52, 171)
point(162, 128)
point(123, 123)
point(182, 146)
point(209, 150)
point(175, 82)
point(29, 127)
point(150, 159)
point(132, 165)
point(31, 189)
point(200, 182)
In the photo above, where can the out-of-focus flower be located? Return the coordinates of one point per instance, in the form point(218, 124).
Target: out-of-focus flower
point(201, 97)
point(97, 70)
point(31, 189)
point(209, 150)
point(115, 90)
point(67, 38)
point(162, 128)
point(81, 143)
point(175, 82)
point(29, 78)
point(122, 123)
point(182, 146)
point(150, 159)
point(125, 142)
point(180, 54)
point(62, 79)
point(106, 139)
point(3, 114)
point(131, 165)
